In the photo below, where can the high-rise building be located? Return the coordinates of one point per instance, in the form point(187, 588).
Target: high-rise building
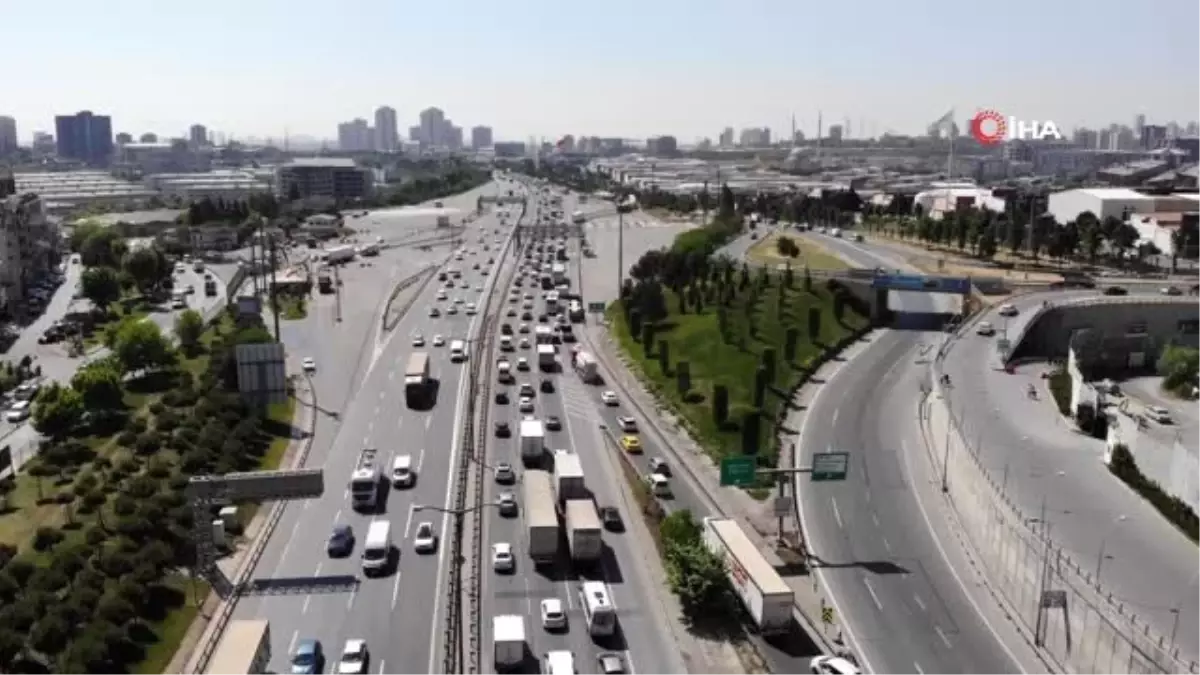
point(355, 136)
point(481, 137)
point(414, 133)
point(433, 127)
point(755, 137)
point(385, 129)
point(836, 132)
point(85, 137)
point(198, 135)
point(8, 135)
point(452, 136)
point(726, 138)
point(1139, 123)
point(662, 146)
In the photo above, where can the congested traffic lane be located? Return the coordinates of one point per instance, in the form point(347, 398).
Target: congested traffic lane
point(642, 637)
point(376, 417)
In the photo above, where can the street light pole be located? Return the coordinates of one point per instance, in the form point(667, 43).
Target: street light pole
point(946, 450)
point(1103, 543)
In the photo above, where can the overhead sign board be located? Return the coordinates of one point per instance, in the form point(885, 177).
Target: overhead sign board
point(918, 282)
point(262, 374)
point(596, 307)
point(738, 471)
point(830, 466)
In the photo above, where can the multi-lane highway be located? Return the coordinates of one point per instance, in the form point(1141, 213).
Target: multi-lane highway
point(906, 595)
point(643, 639)
point(1147, 564)
point(395, 614)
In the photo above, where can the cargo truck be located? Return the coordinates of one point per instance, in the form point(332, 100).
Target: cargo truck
point(541, 516)
point(364, 482)
point(585, 365)
point(324, 280)
point(547, 358)
point(763, 592)
point(417, 384)
point(508, 638)
point(569, 482)
point(245, 647)
point(583, 530)
point(339, 254)
point(533, 441)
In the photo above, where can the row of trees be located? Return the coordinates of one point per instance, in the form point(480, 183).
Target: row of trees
point(696, 574)
point(113, 269)
point(232, 211)
point(86, 602)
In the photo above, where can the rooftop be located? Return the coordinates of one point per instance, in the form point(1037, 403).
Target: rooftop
point(1113, 193)
point(322, 162)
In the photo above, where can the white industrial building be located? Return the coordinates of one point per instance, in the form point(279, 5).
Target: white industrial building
point(221, 184)
point(1068, 205)
point(945, 198)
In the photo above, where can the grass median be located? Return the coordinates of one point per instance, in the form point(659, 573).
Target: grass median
point(773, 250)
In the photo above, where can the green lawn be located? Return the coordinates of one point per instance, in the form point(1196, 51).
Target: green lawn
point(292, 308)
point(731, 360)
point(174, 625)
point(812, 255)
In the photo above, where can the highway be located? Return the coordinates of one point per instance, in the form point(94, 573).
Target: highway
point(1148, 564)
point(896, 576)
point(357, 379)
point(642, 636)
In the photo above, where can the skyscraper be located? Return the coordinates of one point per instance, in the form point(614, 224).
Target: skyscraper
point(433, 127)
point(8, 135)
point(385, 129)
point(85, 137)
point(355, 136)
point(198, 135)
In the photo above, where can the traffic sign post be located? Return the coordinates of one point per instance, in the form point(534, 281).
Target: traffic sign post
point(596, 307)
point(830, 466)
point(738, 471)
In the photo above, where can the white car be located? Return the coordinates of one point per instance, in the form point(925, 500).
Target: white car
point(19, 412)
point(628, 424)
point(1008, 310)
point(451, 310)
point(525, 405)
point(553, 616)
point(439, 341)
point(524, 344)
point(470, 309)
point(309, 364)
point(441, 294)
point(505, 474)
point(609, 398)
point(458, 301)
point(479, 288)
point(985, 329)
point(833, 665)
point(502, 557)
point(506, 502)
point(418, 340)
point(523, 364)
point(425, 540)
point(354, 657)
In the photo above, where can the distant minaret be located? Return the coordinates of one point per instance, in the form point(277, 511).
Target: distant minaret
point(820, 131)
point(793, 130)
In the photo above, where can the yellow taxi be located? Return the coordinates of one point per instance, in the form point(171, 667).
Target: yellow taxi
point(632, 444)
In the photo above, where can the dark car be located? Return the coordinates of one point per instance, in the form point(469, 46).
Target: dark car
point(506, 329)
point(547, 387)
point(1116, 290)
point(542, 318)
point(611, 518)
point(502, 397)
point(527, 316)
point(308, 658)
point(503, 430)
point(341, 541)
point(553, 423)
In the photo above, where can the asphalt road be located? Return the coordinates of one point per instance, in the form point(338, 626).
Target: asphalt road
point(357, 373)
point(1147, 563)
point(642, 636)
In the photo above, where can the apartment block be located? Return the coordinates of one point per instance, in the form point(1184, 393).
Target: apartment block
point(29, 250)
point(334, 178)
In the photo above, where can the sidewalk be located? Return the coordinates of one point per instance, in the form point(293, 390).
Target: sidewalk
point(203, 628)
point(756, 518)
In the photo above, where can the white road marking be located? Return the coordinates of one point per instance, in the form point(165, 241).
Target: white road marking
point(288, 545)
point(346, 494)
point(336, 516)
point(420, 461)
point(837, 515)
point(396, 590)
point(874, 598)
point(875, 519)
point(408, 522)
point(886, 545)
point(941, 634)
point(350, 600)
point(391, 375)
point(567, 590)
point(307, 599)
point(292, 644)
point(836, 411)
point(920, 603)
point(382, 393)
point(917, 667)
point(428, 422)
point(382, 669)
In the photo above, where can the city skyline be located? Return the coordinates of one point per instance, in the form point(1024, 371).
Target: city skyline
point(664, 86)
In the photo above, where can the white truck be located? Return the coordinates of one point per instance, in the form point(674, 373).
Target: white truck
point(584, 533)
point(569, 482)
point(558, 272)
point(533, 441)
point(541, 516)
point(585, 365)
point(364, 482)
point(547, 357)
point(339, 254)
point(763, 592)
point(508, 636)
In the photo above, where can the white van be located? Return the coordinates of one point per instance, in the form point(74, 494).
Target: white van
point(377, 552)
point(402, 473)
point(458, 351)
point(559, 662)
point(659, 485)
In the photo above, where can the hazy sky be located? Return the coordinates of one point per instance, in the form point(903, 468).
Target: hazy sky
point(614, 68)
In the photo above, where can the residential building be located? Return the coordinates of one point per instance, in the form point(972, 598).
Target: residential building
point(28, 250)
point(453, 136)
point(44, 143)
point(8, 135)
point(726, 138)
point(662, 146)
point(198, 136)
point(509, 149)
point(335, 178)
point(433, 127)
point(355, 136)
point(481, 137)
point(414, 134)
point(85, 137)
point(836, 131)
point(385, 130)
point(755, 137)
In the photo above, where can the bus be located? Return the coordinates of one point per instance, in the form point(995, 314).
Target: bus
point(598, 611)
point(417, 384)
point(245, 648)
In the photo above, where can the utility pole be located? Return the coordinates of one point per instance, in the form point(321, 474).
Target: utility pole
point(337, 293)
point(274, 292)
point(620, 249)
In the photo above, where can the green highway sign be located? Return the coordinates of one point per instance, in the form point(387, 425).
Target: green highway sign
point(830, 465)
point(738, 471)
point(596, 307)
